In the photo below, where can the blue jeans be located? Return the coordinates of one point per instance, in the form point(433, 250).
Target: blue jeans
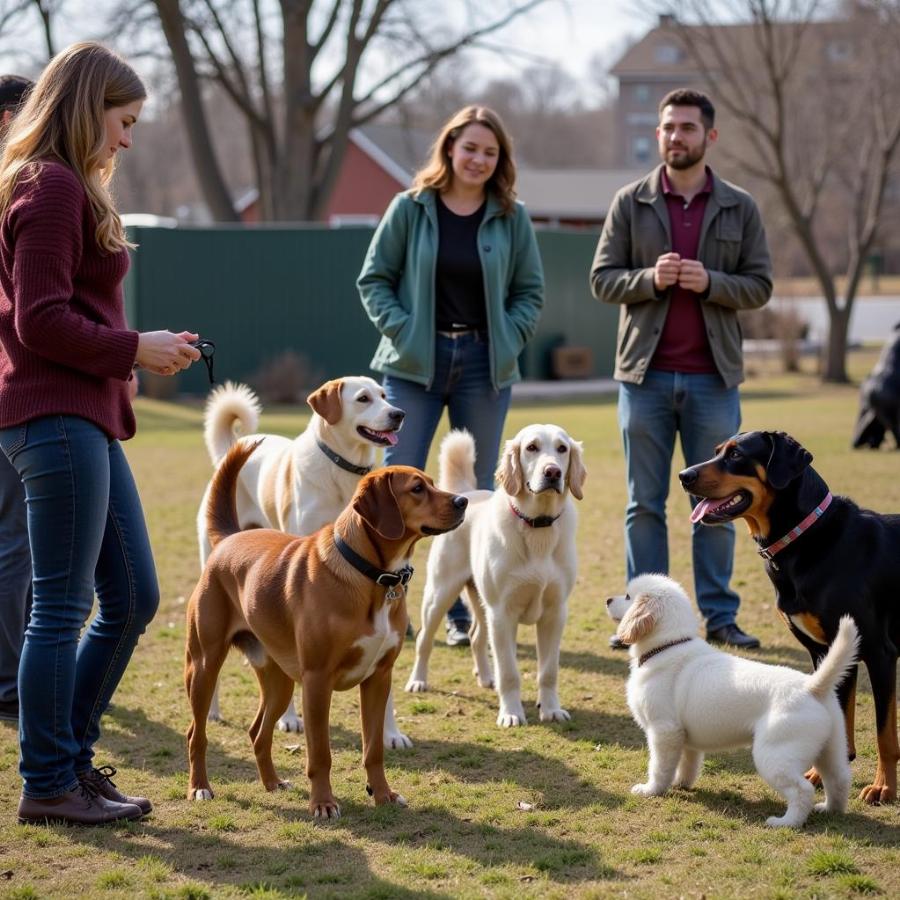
point(86, 530)
point(15, 578)
point(704, 413)
point(462, 384)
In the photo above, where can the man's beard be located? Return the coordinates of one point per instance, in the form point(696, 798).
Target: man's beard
point(686, 158)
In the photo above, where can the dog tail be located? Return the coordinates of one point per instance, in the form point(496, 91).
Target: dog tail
point(839, 659)
point(221, 509)
point(232, 410)
point(456, 463)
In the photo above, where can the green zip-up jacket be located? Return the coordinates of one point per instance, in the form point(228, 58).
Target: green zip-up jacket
point(732, 248)
point(396, 286)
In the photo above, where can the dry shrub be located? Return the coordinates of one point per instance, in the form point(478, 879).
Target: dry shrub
point(286, 378)
point(784, 326)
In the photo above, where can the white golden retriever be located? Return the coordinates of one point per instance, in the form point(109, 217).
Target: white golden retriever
point(515, 556)
point(298, 485)
point(690, 698)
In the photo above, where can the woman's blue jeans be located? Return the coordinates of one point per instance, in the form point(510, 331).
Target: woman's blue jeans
point(462, 384)
point(87, 533)
point(704, 413)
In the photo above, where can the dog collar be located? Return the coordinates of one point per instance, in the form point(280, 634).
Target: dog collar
point(794, 533)
point(393, 581)
point(340, 462)
point(537, 521)
point(651, 653)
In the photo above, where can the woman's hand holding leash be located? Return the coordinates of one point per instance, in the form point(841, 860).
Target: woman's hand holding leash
point(166, 353)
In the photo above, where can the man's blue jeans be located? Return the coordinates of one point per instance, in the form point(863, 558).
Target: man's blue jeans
point(462, 384)
point(87, 532)
point(704, 413)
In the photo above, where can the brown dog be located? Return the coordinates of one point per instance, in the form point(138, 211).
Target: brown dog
point(309, 610)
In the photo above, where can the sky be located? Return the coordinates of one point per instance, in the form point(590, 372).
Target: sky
point(570, 32)
point(573, 32)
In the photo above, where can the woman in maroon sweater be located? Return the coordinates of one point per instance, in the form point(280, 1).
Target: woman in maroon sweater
point(66, 358)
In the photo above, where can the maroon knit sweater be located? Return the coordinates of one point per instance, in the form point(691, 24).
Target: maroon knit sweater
point(64, 346)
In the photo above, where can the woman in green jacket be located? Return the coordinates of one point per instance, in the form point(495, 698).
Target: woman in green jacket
point(453, 282)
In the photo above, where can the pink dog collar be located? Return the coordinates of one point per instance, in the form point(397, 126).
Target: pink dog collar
point(794, 533)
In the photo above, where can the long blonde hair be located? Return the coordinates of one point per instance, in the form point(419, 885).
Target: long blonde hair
point(63, 119)
point(437, 173)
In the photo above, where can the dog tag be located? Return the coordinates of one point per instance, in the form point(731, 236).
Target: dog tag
point(394, 592)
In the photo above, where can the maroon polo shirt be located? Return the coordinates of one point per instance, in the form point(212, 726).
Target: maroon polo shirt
point(683, 345)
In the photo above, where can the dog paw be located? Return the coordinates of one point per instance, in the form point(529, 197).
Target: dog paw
point(397, 740)
point(290, 723)
point(279, 785)
point(487, 682)
point(511, 720)
point(782, 822)
point(215, 717)
point(645, 790)
point(555, 715)
point(201, 794)
point(414, 686)
point(395, 798)
point(327, 809)
point(876, 794)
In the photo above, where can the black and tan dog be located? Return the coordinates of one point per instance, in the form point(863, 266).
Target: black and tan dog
point(327, 611)
point(826, 557)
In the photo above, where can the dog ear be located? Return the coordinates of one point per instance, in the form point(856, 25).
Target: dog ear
point(577, 472)
point(638, 620)
point(786, 461)
point(377, 505)
point(326, 401)
point(509, 472)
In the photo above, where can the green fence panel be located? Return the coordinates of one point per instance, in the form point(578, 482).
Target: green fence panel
point(258, 292)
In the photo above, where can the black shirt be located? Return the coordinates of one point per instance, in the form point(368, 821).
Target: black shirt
point(458, 279)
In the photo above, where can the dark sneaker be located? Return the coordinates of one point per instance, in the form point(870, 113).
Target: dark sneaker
point(9, 710)
point(616, 643)
point(457, 634)
point(732, 636)
point(101, 781)
point(83, 805)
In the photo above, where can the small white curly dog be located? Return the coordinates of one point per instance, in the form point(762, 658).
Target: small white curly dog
point(690, 698)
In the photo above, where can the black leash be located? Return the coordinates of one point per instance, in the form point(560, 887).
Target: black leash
point(207, 350)
point(390, 580)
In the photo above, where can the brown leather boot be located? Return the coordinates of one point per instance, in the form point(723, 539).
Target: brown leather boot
point(101, 779)
point(83, 805)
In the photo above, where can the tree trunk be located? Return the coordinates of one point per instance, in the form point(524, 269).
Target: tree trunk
point(206, 165)
point(834, 361)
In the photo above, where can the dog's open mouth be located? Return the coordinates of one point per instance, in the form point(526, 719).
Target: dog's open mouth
point(382, 438)
point(713, 512)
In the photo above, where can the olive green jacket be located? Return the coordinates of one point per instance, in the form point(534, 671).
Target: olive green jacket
point(396, 286)
point(732, 248)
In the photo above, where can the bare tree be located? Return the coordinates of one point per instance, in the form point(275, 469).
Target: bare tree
point(304, 73)
point(17, 21)
point(816, 103)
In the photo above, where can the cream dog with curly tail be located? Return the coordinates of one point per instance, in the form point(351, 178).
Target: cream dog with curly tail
point(690, 698)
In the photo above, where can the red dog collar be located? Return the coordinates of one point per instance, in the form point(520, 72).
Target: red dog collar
point(794, 533)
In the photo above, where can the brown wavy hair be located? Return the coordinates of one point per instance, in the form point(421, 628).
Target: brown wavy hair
point(63, 119)
point(437, 173)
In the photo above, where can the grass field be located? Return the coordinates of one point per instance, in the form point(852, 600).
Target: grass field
point(541, 811)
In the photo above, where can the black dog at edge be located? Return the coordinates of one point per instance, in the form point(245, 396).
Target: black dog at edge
point(826, 558)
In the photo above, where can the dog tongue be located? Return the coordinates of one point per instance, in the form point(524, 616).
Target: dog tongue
point(704, 506)
point(389, 436)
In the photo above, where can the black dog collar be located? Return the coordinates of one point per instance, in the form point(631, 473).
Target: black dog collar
point(390, 580)
point(537, 521)
point(340, 462)
point(651, 653)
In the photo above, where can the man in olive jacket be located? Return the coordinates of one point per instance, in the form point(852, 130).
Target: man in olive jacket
point(681, 252)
